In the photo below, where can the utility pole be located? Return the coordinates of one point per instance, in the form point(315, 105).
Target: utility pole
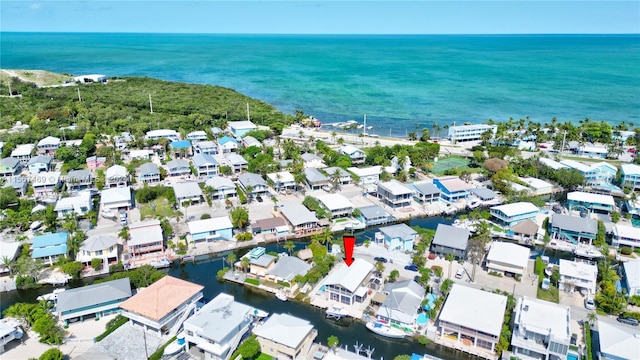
point(248, 116)
point(10, 93)
point(564, 137)
point(79, 97)
point(150, 104)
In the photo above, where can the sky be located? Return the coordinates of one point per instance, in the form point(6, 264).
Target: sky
point(323, 17)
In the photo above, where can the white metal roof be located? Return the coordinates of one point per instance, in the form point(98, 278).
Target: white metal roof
point(285, 177)
point(516, 208)
point(578, 270)
point(543, 317)
point(349, 149)
point(591, 198)
point(620, 341)
point(161, 133)
point(536, 183)
point(116, 171)
point(145, 232)
point(395, 187)
point(632, 272)
point(45, 178)
point(335, 201)
point(219, 318)
point(509, 253)
point(241, 125)
point(367, 171)
point(576, 165)
point(206, 225)
point(628, 232)
point(474, 309)
point(284, 329)
point(552, 164)
point(115, 195)
point(22, 150)
point(349, 277)
point(630, 169)
point(49, 140)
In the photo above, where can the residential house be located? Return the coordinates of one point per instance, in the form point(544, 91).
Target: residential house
point(374, 215)
point(282, 180)
point(240, 128)
point(178, 167)
point(470, 132)
point(425, 192)
point(48, 145)
point(103, 247)
point(525, 231)
point(23, 153)
point(198, 135)
point(631, 277)
point(537, 187)
point(19, 183)
point(578, 275)
point(344, 177)
point(617, 342)
point(348, 284)
point(253, 182)
point(541, 330)
point(287, 268)
point(116, 176)
point(181, 148)
point(478, 321)
point(95, 162)
point(276, 226)
point(607, 172)
point(299, 217)
point(237, 163)
point(573, 228)
point(8, 251)
point(149, 173)
point(485, 195)
point(283, 336)
point(369, 177)
point(217, 132)
point(46, 184)
point(356, 155)
point(121, 141)
point(206, 147)
point(508, 259)
point(592, 151)
point(450, 240)
point(92, 301)
point(312, 161)
point(187, 192)
point(9, 167)
point(594, 174)
point(222, 187)
point(511, 214)
point(452, 188)
point(590, 203)
point(398, 237)
point(79, 180)
point(259, 261)
point(168, 134)
point(116, 199)
point(219, 228)
point(625, 236)
point(144, 154)
point(227, 145)
point(40, 163)
point(145, 238)
point(402, 303)
point(75, 206)
point(394, 194)
point(630, 175)
point(218, 327)
point(49, 247)
point(249, 141)
point(336, 204)
point(315, 179)
point(206, 166)
point(552, 164)
point(163, 306)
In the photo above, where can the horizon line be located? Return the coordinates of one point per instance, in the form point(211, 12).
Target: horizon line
point(324, 34)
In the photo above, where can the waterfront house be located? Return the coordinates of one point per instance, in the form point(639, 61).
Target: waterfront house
point(552, 164)
point(116, 199)
point(163, 306)
point(283, 336)
point(625, 236)
point(452, 188)
point(476, 323)
point(348, 284)
point(23, 153)
point(40, 163)
point(218, 327)
point(402, 303)
point(508, 259)
point(356, 155)
point(606, 172)
point(576, 275)
point(573, 228)
point(75, 206)
point(206, 147)
point(425, 192)
point(79, 180)
point(249, 141)
point(275, 226)
point(299, 217)
point(198, 135)
point(631, 276)
point(259, 261)
point(344, 177)
point(485, 195)
point(541, 330)
point(181, 148)
point(206, 166)
point(95, 162)
point(469, 132)
point(18, 183)
point(144, 154)
point(187, 192)
point(282, 180)
point(227, 145)
point(240, 128)
point(594, 174)
point(103, 247)
point(255, 183)
point(394, 194)
point(149, 173)
point(237, 163)
point(287, 268)
point(315, 179)
point(48, 145)
point(49, 247)
point(8, 251)
point(312, 161)
point(46, 184)
point(590, 203)
point(374, 215)
point(450, 240)
point(630, 175)
point(219, 228)
point(222, 187)
point(369, 177)
point(511, 214)
point(168, 134)
point(92, 301)
point(536, 186)
point(398, 237)
point(178, 167)
point(116, 176)
point(617, 342)
point(526, 231)
point(145, 238)
point(10, 166)
point(336, 204)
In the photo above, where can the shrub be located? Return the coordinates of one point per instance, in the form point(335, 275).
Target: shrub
point(255, 282)
point(205, 216)
point(116, 267)
point(423, 340)
point(72, 268)
point(160, 352)
point(284, 283)
point(52, 354)
point(246, 236)
point(96, 264)
point(626, 250)
point(111, 326)
point(495, 273)
point(26, 282)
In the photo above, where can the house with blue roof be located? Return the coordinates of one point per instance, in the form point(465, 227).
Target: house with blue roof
point(49, 247)
point(227, 145)
point(181, 148)
point(398, 237)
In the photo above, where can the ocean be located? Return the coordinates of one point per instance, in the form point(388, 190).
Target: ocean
point(400, 82)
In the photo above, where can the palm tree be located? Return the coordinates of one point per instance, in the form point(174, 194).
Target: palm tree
point(326, 237)
point(124, 233)
point(477, 245)
point(231, 259)
point(449, 257)
point(333, 136)
point(592, 317)
point(334, 178)
point(340, 141)
point(245, 262)
point(289, 246)
point(74, 242)
point(249, 191)
point(8, 263)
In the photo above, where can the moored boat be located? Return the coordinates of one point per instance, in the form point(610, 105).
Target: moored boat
point(281, 296)
point(385, 330)
point(175, 346)
point(336, 312)
point(52, 296)
point(160, 263)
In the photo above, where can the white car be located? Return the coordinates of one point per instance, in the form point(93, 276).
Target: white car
point(460, 273)
point(589, 303)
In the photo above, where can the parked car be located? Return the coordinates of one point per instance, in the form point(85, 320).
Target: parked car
point(259, 198)
point(380, 258)
point(589, 303)
point(628, 320)
point(459, 273)
point(411, 267)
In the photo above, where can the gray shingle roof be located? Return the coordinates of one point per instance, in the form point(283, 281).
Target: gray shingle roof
point(93, 294)
point(426, 188)
point(372, 212)
point(403, 301)
point(252, 179)
point(314, 175)
point(574, 223)
point(99, 242)
point(79, 175)
point(453, 237)
point(297, 214)
point(9, 161)
point(149, 168)
point(484, 193)
point(288, 267)
point(44, 159)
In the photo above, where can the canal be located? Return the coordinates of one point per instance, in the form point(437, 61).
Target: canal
point(348, 331)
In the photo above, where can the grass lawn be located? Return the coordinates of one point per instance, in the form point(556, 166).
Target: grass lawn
point(162, 208)
point(549, 295)
point(341, 220)
point(264, 356)
point(497, 228)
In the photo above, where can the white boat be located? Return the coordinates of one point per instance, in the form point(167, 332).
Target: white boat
point(386, 330)
point(474, 204)
point(160, 263)
point(281, 296)
point(259, 313)
point(176, 346)
point(52, 296)
point(548, 270)
point(355, 225)
point(336, 312)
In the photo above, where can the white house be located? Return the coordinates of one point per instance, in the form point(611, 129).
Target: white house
point(301, 219)
point(48, 145)
point(236, 162)
point(116, 176)
point(394, 194)
point(282, 180)
point(169, 134)
point(618, 342)
point(631, 272)
point(578, 275)
point(23, 153)
point(508, 258)
point(344, 177)
point(336, 204)
point(536, 186)
point(469, 132)
point(222, 188)
point(625, 236)
point(347, 284)
point(356, 155)
point(116, 198)
point(103, 247)
point(206, 147)
point(402, 303)
point(630, 175)
point(78, 205)
point(45, 184)
point(219, 228)
point(369, 176)
point(312, 161)
point(511, 214)
point(178, 167)
point(140, 154)
point(253, 182)
point(90, 78)
point(198, 135)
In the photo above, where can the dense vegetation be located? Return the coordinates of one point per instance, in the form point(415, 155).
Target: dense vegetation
point(40, 319)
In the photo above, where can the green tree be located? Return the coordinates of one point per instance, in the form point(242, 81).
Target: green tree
point(393, 275)
point(402, 357)
point(332, 341)
point(52, 354)
point(449, 257)
point(74, 242)
point(477, 245)
point(289, 246)
point(240, 217)
point(231, 259)
point(379, 266)
point(245, 262)
point(250, 348)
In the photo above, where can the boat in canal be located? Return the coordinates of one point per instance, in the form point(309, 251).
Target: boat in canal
point(281, 296)
point(52, 296)
point(336, 312)
point(386, 330)
point(160, 263)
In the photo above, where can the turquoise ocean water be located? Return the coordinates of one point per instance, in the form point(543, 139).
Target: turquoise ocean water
point(399, 81)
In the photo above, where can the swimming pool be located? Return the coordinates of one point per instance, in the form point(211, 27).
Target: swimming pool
point(571, 356)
